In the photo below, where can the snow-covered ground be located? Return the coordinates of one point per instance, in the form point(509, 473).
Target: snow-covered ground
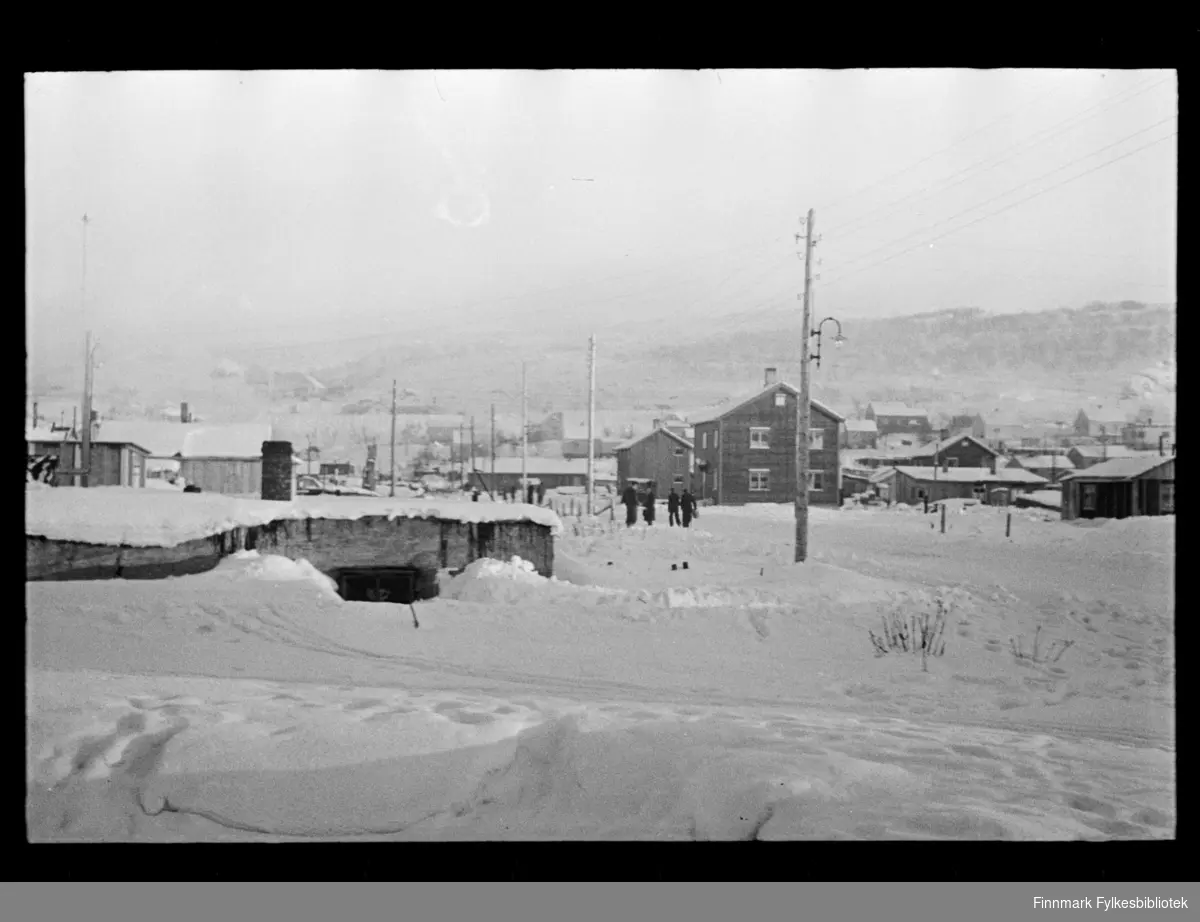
point(737, 698)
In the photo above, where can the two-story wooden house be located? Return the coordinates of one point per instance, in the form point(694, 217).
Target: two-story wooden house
point(661, 456)
point(962, 450)
point(748, 453)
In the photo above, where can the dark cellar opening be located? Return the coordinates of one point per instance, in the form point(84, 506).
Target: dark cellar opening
point(397, 585)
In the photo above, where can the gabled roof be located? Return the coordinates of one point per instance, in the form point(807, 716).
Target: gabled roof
point(1108, 451)
point(767, 390)
point(881, 474)
point(861, 425)
point(896, 409)
point(971, 474)
point(1121, 468)
point(629, 443)
point(928, 451)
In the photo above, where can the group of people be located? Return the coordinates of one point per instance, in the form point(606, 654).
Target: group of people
point(535, 494)
point(681, 509)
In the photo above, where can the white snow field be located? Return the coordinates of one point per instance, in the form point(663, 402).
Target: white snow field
point(738, 698)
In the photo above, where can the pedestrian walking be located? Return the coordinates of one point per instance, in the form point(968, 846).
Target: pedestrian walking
point(687, 505)
point(629, 499)
point(529, 494)
point(648, 512)
point(672, 507)
point(541, 494)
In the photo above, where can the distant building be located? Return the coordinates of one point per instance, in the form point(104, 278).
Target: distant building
point(1107, 429)
point(564, 425)
point(748, 453)
point(662, 457)
point(897, 417)
point(549, 472)
point(859, 433)
point(1148, 437)
point(578, 448)
point(961, 450)
point(913, 485)
point(1085, 456)
point(1119, 488)
point(970, 424)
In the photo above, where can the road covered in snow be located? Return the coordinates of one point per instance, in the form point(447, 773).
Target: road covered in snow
point(737, 697)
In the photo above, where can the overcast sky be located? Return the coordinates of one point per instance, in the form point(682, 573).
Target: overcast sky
point(234, 200)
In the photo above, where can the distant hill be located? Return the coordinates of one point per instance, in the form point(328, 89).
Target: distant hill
point(953, 360)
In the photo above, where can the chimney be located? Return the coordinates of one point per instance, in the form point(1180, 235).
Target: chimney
point(35, 414)
point(770, 377)
point(993, 464)
point(183, 413)
point(656, 424)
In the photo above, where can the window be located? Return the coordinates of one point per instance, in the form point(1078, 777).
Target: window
point(952, 462)
point(760, 437)
point(704, 440)
point(780, 399)
point(678, 481)
point(1089, 497)
point(1167, 497)
point(759, 481)
point(816, 481)
point(679, 452)
point(816, 439)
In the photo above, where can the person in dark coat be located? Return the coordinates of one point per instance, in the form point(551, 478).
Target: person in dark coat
point(529, 494)
point(648, 512)
point(672, 507)
point(629, 499)
point(541, 493)
point(687, 504)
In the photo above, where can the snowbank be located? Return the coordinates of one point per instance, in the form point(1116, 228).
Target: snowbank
point(145, 518)
point(274, 568)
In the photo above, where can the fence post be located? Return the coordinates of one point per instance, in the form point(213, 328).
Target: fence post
point(1008, 526)
point(943, 518)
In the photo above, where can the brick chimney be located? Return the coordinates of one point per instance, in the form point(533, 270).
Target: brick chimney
point(183, 413)
point(770, 376)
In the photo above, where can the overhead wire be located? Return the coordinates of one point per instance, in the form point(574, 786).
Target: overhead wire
point(1011, 205)
point(1009, 191)
point(997, 160)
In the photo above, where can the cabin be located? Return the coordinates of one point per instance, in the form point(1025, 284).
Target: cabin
point(662, 457)
point(893, 418)
point(748, 453)
point(550, 473)
point(859, 433)
point(1121, 487)
point(962, 450)
point(114, 463)
point(914, 485)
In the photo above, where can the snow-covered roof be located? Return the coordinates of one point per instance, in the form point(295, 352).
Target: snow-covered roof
point(43, 434)
point(928, 451)
point(1062, 462)
point(795, 392)
point(971, 474)
point(1111, 451)
point(1121, 468)
point(159, 518)
point(629, 443)
point(897, 409)
point(240, 441)
point(861, 425)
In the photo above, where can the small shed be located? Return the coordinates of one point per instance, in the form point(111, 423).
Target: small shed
point(1120, 487)
point(113, 463)
point(859, 433)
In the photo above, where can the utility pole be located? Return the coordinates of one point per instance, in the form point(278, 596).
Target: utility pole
point(803, 409)
point(472, 444)
point(85, 434)
point(524, 439)
point(493, 490)
point(392, 491)
point(591, 423)
point(462, 455)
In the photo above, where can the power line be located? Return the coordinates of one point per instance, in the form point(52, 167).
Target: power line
point(1029, 141)
point(1014, 189)
point(924, 160)
point(1006, 207)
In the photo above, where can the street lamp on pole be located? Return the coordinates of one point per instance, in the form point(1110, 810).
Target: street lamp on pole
point(838, 338)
